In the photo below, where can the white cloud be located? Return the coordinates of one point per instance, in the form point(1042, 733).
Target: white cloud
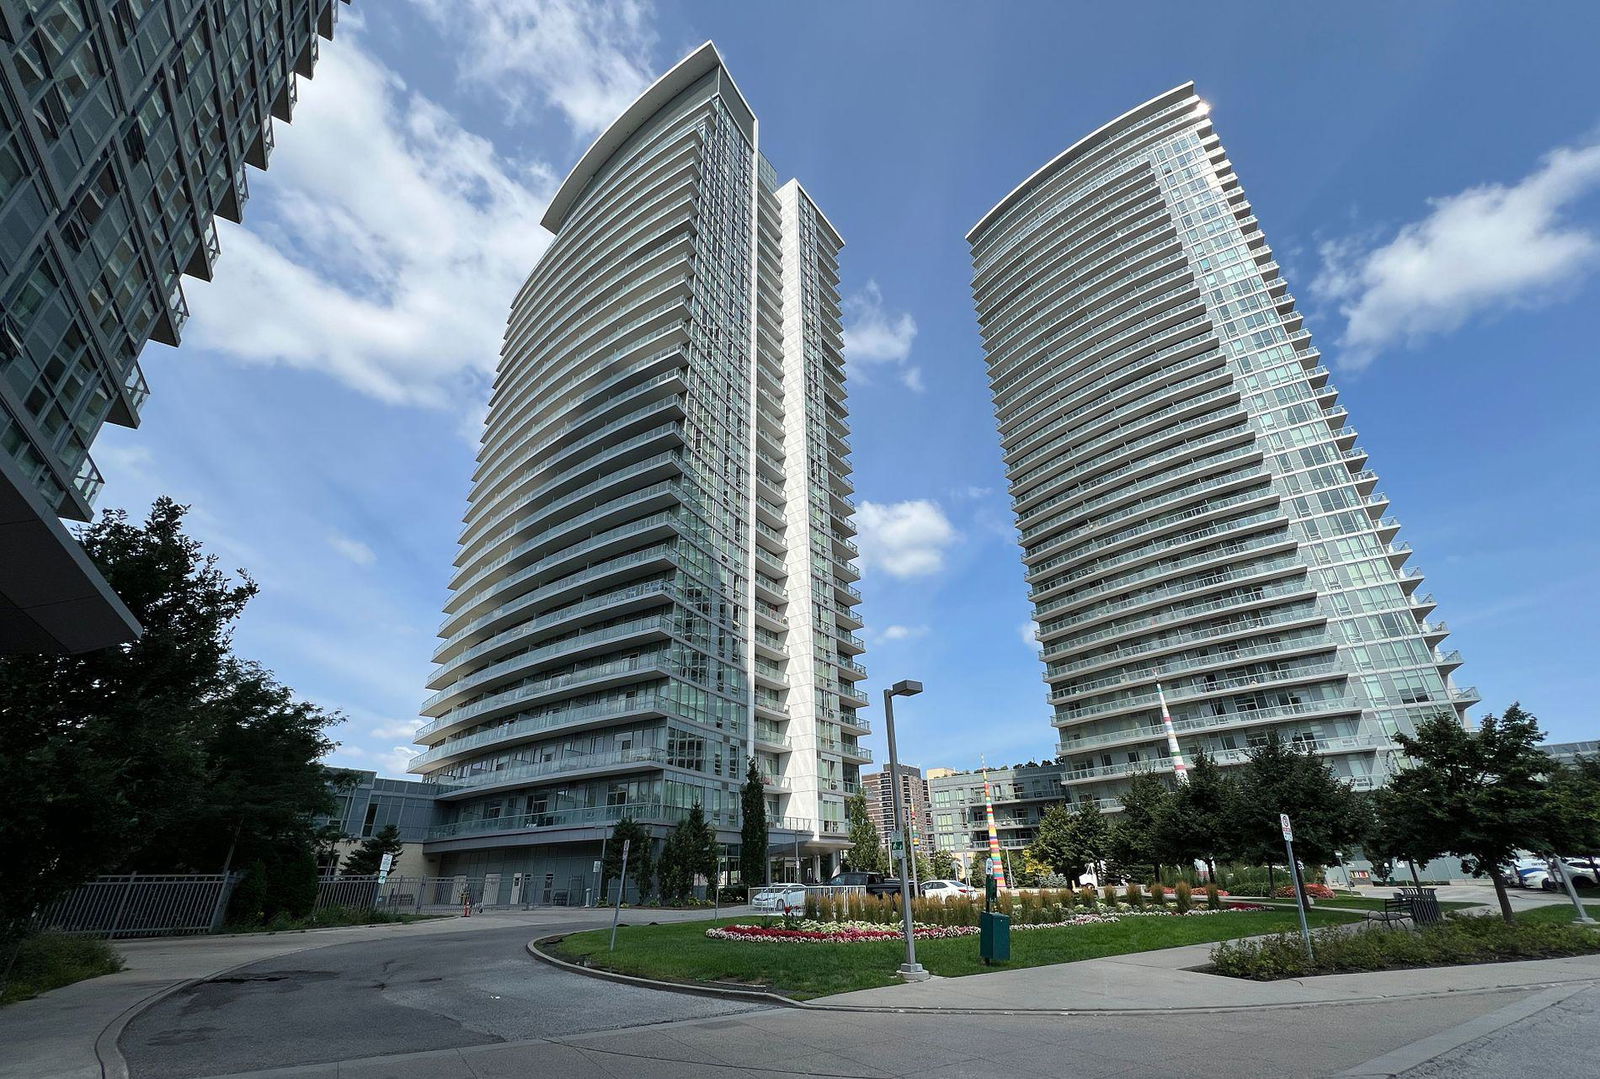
point(905, 539)
point(587, 60)
point(1029, 632)
point(394, 762)
point(1476, 252)
point(354, 550)
point(390, 245)
point(872, 335)
point(903, 633)
point(400, 728)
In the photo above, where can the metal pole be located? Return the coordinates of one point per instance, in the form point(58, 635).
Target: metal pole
point(1300, 902)
point(1572, 893)
point(716, 891)
point(622, 886)
point(911, 970)
point(600, 885)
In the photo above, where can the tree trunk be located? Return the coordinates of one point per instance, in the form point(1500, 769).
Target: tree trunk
point(1416, 880)
point(1505, 899)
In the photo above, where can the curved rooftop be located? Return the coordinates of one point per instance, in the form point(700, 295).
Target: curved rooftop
point(1076, 150)
point(656, 96)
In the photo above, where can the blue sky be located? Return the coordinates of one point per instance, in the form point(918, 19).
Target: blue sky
point(1429, 174)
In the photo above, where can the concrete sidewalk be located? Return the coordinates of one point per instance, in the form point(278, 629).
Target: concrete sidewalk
point(1161, 981)
point(71, 1032)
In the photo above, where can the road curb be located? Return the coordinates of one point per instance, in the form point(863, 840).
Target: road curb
point(691, 988)
point(756, 996)
point(113, 1065)
point(1405, 1058)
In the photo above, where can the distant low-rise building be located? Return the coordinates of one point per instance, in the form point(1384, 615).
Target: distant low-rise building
point(365, 803)
point(1020, 793)
point(1568, 752)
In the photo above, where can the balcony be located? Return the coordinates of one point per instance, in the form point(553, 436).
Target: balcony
point(621, 760)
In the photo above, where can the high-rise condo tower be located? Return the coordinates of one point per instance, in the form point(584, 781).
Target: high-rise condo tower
point(1196, 517)
point(125, 129)
point(654, 580)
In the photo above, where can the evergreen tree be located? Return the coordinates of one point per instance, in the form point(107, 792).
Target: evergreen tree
point(366, 859)
point(866, 848)
point(754, 861)
point(690, 851)
point(641, 868)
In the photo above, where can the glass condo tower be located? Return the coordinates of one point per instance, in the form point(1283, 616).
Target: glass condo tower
point(654, 581)
point(1195, 510)
point(125, 129)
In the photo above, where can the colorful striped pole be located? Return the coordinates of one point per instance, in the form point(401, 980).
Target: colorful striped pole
point(997, 865)
point(1179, 769)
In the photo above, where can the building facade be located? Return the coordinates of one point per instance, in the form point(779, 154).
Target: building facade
point(1569, 752)
point(1021, 794)
point(1194, 507)
point(365, 803)
point(879, 791)
point(654, 581)
point(125, 129)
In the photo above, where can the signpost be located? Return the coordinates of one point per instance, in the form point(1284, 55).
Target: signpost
point(384, 866)
point(622, 886)
point(1299, 886)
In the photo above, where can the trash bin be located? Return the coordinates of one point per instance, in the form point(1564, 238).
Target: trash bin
point(1423, 903)
point(994, 937)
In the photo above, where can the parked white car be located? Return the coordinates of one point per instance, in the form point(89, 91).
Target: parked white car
point(780, 898)
point(947, 889)
point(1583, 872)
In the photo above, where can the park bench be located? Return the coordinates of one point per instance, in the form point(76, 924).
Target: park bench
point(1394, 910)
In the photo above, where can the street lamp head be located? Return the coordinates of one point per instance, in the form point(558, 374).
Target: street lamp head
point(906, 688)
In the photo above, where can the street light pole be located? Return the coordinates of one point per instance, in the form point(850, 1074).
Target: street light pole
point(910, 970)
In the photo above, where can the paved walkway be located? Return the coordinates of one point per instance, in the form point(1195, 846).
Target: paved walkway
point(1161, 981)
point(70, 1032)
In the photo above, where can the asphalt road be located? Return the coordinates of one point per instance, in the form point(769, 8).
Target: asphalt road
point(377, 998)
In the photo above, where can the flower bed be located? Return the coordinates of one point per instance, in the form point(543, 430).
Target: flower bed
point(810, 931)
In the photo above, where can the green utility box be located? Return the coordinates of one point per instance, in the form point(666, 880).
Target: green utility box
point(994, 937)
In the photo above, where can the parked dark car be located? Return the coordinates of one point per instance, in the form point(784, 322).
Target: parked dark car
point(875, 883)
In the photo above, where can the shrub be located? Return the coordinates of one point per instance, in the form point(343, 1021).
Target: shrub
point(1315, 891)
point(1457, 940)
point(46, 961)
point(1183, 897)
point(1158, 895)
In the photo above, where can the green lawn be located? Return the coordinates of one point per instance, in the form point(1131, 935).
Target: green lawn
point(682, 952)
point(1557, 914)
point(1363, 902)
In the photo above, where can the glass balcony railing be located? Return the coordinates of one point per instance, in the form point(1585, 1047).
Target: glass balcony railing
point(550, 652)
point(1166, 521)
point(1250, 521)
point(1202, 448)
point(1177, 615)
point(1241, 625)
point(1180, 588)
point(531, 770)
point(588, 816)
point(620, 708)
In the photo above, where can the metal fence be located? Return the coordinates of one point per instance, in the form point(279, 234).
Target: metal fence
point(142, 905)
point(437, 895)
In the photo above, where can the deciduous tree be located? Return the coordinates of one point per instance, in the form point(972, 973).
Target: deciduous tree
point(1482, 795)
point(866, 847)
